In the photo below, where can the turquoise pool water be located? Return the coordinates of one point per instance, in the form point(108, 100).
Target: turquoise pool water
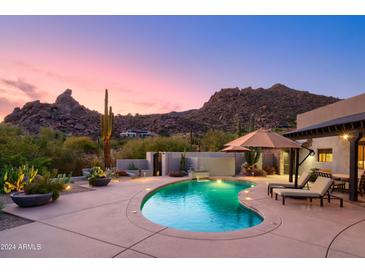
point(201, 206)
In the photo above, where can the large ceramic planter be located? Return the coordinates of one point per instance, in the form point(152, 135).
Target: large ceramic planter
point(100, 181)
point(29, 200)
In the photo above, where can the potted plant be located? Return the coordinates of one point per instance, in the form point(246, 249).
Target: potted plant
point(98, 177)
point(40, 190)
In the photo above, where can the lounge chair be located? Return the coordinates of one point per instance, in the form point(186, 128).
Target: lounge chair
point(362, 184)
point(319, 190)
point(302, 181)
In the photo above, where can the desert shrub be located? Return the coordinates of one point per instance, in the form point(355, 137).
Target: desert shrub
point(16, 147)
point(46, 184)
point(45, 151)
point(117, 143)
point(270, 170)
point(252, 171)
point(214, 140)
point(80, 144)
point(137, 148)
point(259, 172)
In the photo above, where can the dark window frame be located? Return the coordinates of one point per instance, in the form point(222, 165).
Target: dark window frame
point(324, 151)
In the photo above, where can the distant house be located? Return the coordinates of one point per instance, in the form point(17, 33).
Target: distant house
point(135, 133)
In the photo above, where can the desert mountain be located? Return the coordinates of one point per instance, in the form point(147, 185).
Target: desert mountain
point(276, 106)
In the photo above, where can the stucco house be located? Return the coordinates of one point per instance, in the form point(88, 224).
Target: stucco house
point(336, 134)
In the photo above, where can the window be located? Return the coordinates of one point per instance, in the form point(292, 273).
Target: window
point(325, 155)
point(361, 161)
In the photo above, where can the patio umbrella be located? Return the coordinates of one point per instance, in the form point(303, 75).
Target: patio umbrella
point(264, 138)
point(235, 149)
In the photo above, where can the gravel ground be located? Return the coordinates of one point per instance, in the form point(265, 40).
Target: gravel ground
point(9, 221)
point(5, 199)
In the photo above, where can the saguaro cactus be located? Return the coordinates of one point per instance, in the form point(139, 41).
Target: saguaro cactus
point(107, 120)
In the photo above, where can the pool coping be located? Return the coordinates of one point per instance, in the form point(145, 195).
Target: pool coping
point(270, 222)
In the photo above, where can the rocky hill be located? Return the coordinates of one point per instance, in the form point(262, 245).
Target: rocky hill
point(276, 106)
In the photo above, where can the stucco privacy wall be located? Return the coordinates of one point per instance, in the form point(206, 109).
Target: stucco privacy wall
point(340, 150)
point(171, 161)
point(122, 164)
point(343, 108)
point(215, 166)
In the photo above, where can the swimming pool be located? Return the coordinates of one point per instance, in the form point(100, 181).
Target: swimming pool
point(200, 206)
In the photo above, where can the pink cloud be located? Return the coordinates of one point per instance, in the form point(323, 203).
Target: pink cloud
point(28, 89)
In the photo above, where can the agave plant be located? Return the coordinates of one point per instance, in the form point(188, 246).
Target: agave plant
point(14, 179)
point(45, 184)
point(29, 173)
point(96, 172)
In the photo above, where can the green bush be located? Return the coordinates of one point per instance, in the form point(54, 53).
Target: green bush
point(137, 148)
point(46, 151)
point(214, 140)
point(80, 144)
point(45, 184)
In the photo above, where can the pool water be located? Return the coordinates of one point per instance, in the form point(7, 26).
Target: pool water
point(201, 206)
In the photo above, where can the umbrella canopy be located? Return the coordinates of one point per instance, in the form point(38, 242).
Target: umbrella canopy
point(235, 149)
point(264, 138)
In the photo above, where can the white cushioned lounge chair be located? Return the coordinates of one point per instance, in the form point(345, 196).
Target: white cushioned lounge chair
point(320, 189)
point(302, 181)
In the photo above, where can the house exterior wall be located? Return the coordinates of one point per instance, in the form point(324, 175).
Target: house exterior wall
point(340, 151)
point(342, 108)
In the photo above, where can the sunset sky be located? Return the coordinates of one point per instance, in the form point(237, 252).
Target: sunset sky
point(163, 63)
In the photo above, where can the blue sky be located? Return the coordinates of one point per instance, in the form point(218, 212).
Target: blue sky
point(163, 63)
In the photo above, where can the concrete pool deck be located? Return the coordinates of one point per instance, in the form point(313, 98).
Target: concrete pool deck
point(103, 223)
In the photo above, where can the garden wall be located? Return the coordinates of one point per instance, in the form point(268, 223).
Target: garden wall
point(123, 164)
point(223, 166)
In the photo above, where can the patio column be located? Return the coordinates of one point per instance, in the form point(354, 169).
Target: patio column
point(354, 141)
point(291, 164)
point(296, 167)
